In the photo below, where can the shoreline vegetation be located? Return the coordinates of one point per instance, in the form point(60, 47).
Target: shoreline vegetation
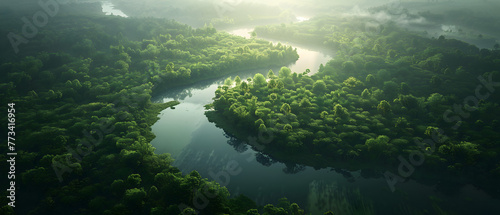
point(387, 93)
point(82, 89)
point(83, 84)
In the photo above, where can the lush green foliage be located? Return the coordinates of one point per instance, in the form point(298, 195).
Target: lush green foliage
point(385, 91)
point(82, 89)
point(220, 14)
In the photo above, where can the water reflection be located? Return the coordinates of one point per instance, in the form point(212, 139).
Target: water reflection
point(302, 19)
point(293, 168)
point(108, 8)
point(197, 144)
point(346, 174)
point(324, 195)
point(264, 159)
point(309, 57)
point(237, 144)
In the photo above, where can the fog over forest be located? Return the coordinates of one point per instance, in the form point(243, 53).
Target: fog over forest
point(250, 107)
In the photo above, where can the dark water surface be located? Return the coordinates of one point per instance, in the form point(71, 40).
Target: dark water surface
point(197, 144)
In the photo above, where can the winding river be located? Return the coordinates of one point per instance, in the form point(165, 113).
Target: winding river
point(197, 144)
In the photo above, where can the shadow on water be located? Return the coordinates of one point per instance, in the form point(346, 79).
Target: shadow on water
point(197, 144)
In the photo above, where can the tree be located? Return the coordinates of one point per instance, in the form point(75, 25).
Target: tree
point(241, 112)
point(228, 81)
point(237, 80)
point(270, 74)
point(287, 127)
point(189, 211)
point(271, 210)
point(319, 87)
point(253, 34)
point(370, 80)
point(259, 122)
point(349, 66)
point(285, 109)
point(366, 93)
point(280, 85)
point(379, 146)
point(169, 67)
point(384, 107)
point(435, 100)
point(262, 112)
point(153, 192)
point(285, 72)
point(273, 97)
point(118, 187)
point(431, 130)
point(252, 212)
point(323, 114)
point(436, 81)
point(339, 111)
point(391, 89)
point(408, 101)
point(244, 86)
point(295, 209)
point(383, 75)
point(465, 151)
point(272, 84)
point(352, 82)
point(259, 80)
point(305, 103)
point(184, 73)
point(133, 180)
point(404, 89)
point(135, 197)
point(391, 53)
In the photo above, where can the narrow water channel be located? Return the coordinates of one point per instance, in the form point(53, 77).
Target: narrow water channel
point(197, 144)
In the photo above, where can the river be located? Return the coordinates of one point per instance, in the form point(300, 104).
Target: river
point(197, 144)
point(108, 8)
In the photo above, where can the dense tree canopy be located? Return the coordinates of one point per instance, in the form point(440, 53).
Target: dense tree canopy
point(82, 91)
point(383, 95)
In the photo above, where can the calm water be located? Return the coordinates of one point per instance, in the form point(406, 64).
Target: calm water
point(109, 9)
point(197, 144)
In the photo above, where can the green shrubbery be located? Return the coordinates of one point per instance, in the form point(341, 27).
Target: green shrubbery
point(369, 104)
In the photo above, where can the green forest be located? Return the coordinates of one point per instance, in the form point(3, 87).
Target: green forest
point(77, 89)
point(82, 92)
point(389, 96)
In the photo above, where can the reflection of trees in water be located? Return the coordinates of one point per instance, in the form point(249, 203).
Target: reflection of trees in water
point(292, 168)
point(370, 173)
point(324, 196)
point(264, 159)
point(181, 95)
point(237, 144)
point(346, 174)
point(450, 188)
point(175, 94)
